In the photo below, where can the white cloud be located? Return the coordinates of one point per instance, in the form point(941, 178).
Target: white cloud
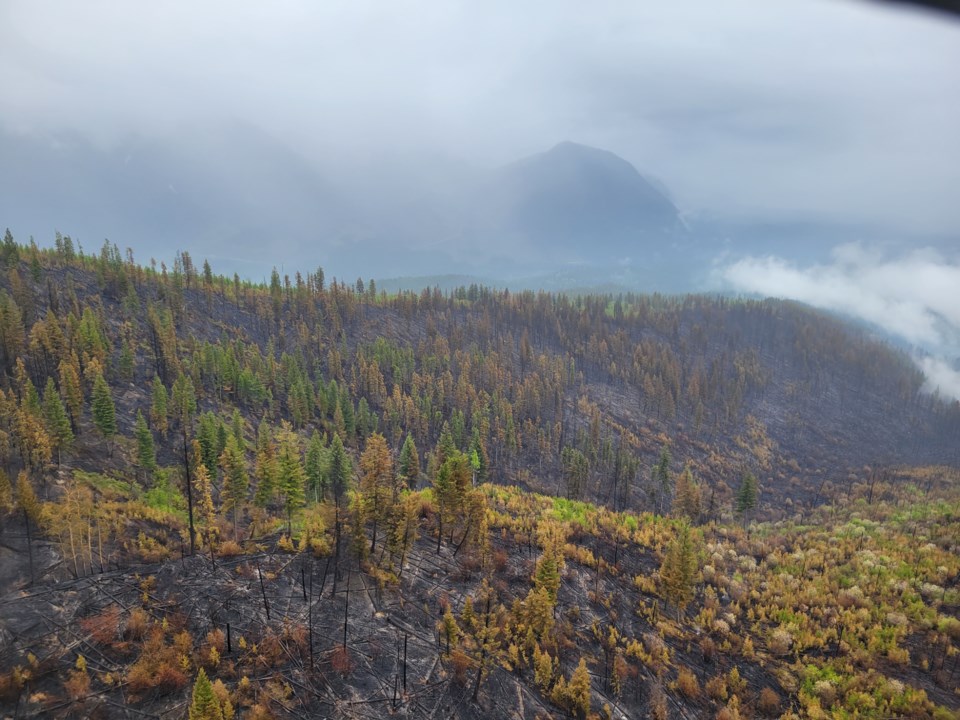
point(941, 377)
point(835, 109)
point(915, 297)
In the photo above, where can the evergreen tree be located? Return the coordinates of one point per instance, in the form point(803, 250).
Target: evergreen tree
point(127, 361)
point(184, 397)
point(236, 426)
point(204, 488)
point(104, 412)
point(316, 467)
point(479, 451)
point(204, 704)
point(450, 488)
point(72, 390)
point(340, 469)
point(377, 482)
point(409, 464)
point(208, 435)
point(661, 479)
point(146, 450)
point(291, 476)
point(159, 406)
point(265, 468)
point(576, 468)
point(746, 498)
point(686, 502)
point(55, 417)
point(678, 570)
point(349, 416)
point(578, 690)
point(236, 481)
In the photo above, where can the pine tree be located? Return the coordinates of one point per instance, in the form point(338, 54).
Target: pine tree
point(686, 502)
point(409, 464)
point(479, 451)
point(55, 417)
point(316, 466)
point(265, 468)
point(184, 397)
point(146, 450)
point(158, 406)
point(678, 570)
point(377, 482)
point(104, 413)
point(746, 499)
point(340, 469)
point(204, 488)
point(236, 426)
point(236, 481)
point(291, 476)
point(449, 488)
point(72, 390)
point(204, 705)
point(578, 690)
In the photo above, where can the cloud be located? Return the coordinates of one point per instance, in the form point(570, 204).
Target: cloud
point(838, 109)
point(941, 377)
point(914, 296)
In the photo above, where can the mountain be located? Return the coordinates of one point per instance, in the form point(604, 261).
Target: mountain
point(579, 204)
point(247, 200)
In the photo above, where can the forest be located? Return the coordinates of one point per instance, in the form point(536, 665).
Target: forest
point(309, 498)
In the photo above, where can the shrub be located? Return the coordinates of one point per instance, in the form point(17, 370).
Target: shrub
point(717, 687)
point(137, 624)
point(78, 681)
point(341, 662)
point(780, 642)
point(459, 664)
point(769, 702)
point(229, 548)
point(103, 627)
point(688, 684)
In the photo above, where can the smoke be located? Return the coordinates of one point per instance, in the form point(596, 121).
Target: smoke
point(914, 296)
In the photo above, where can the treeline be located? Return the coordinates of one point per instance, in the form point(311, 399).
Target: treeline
point(574, 395)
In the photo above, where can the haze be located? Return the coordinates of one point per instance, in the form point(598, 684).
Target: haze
point(837, 110)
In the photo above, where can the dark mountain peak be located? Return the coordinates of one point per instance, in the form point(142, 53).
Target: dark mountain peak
point(580, 198)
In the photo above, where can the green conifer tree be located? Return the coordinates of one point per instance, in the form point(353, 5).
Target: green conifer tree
point(265, 468)
point(104, 412)
point(316, 467)
point(236, 479)
point(159, 406)
point(146, 450)
point(204, 704)
point(746, 498)
point(409, 464)
point(55, 417)
point(291, 476)
point(679, 568)
point(340, 470)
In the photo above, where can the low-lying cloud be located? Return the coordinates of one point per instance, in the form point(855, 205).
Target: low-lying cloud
point(914, 296)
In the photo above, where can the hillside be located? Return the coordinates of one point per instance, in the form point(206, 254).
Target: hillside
point(298, 487)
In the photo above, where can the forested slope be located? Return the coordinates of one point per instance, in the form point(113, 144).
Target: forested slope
point(321, 496)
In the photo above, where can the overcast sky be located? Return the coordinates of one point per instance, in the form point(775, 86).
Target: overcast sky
point(793, 108)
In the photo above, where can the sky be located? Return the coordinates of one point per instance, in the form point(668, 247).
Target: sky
point(835, 109)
